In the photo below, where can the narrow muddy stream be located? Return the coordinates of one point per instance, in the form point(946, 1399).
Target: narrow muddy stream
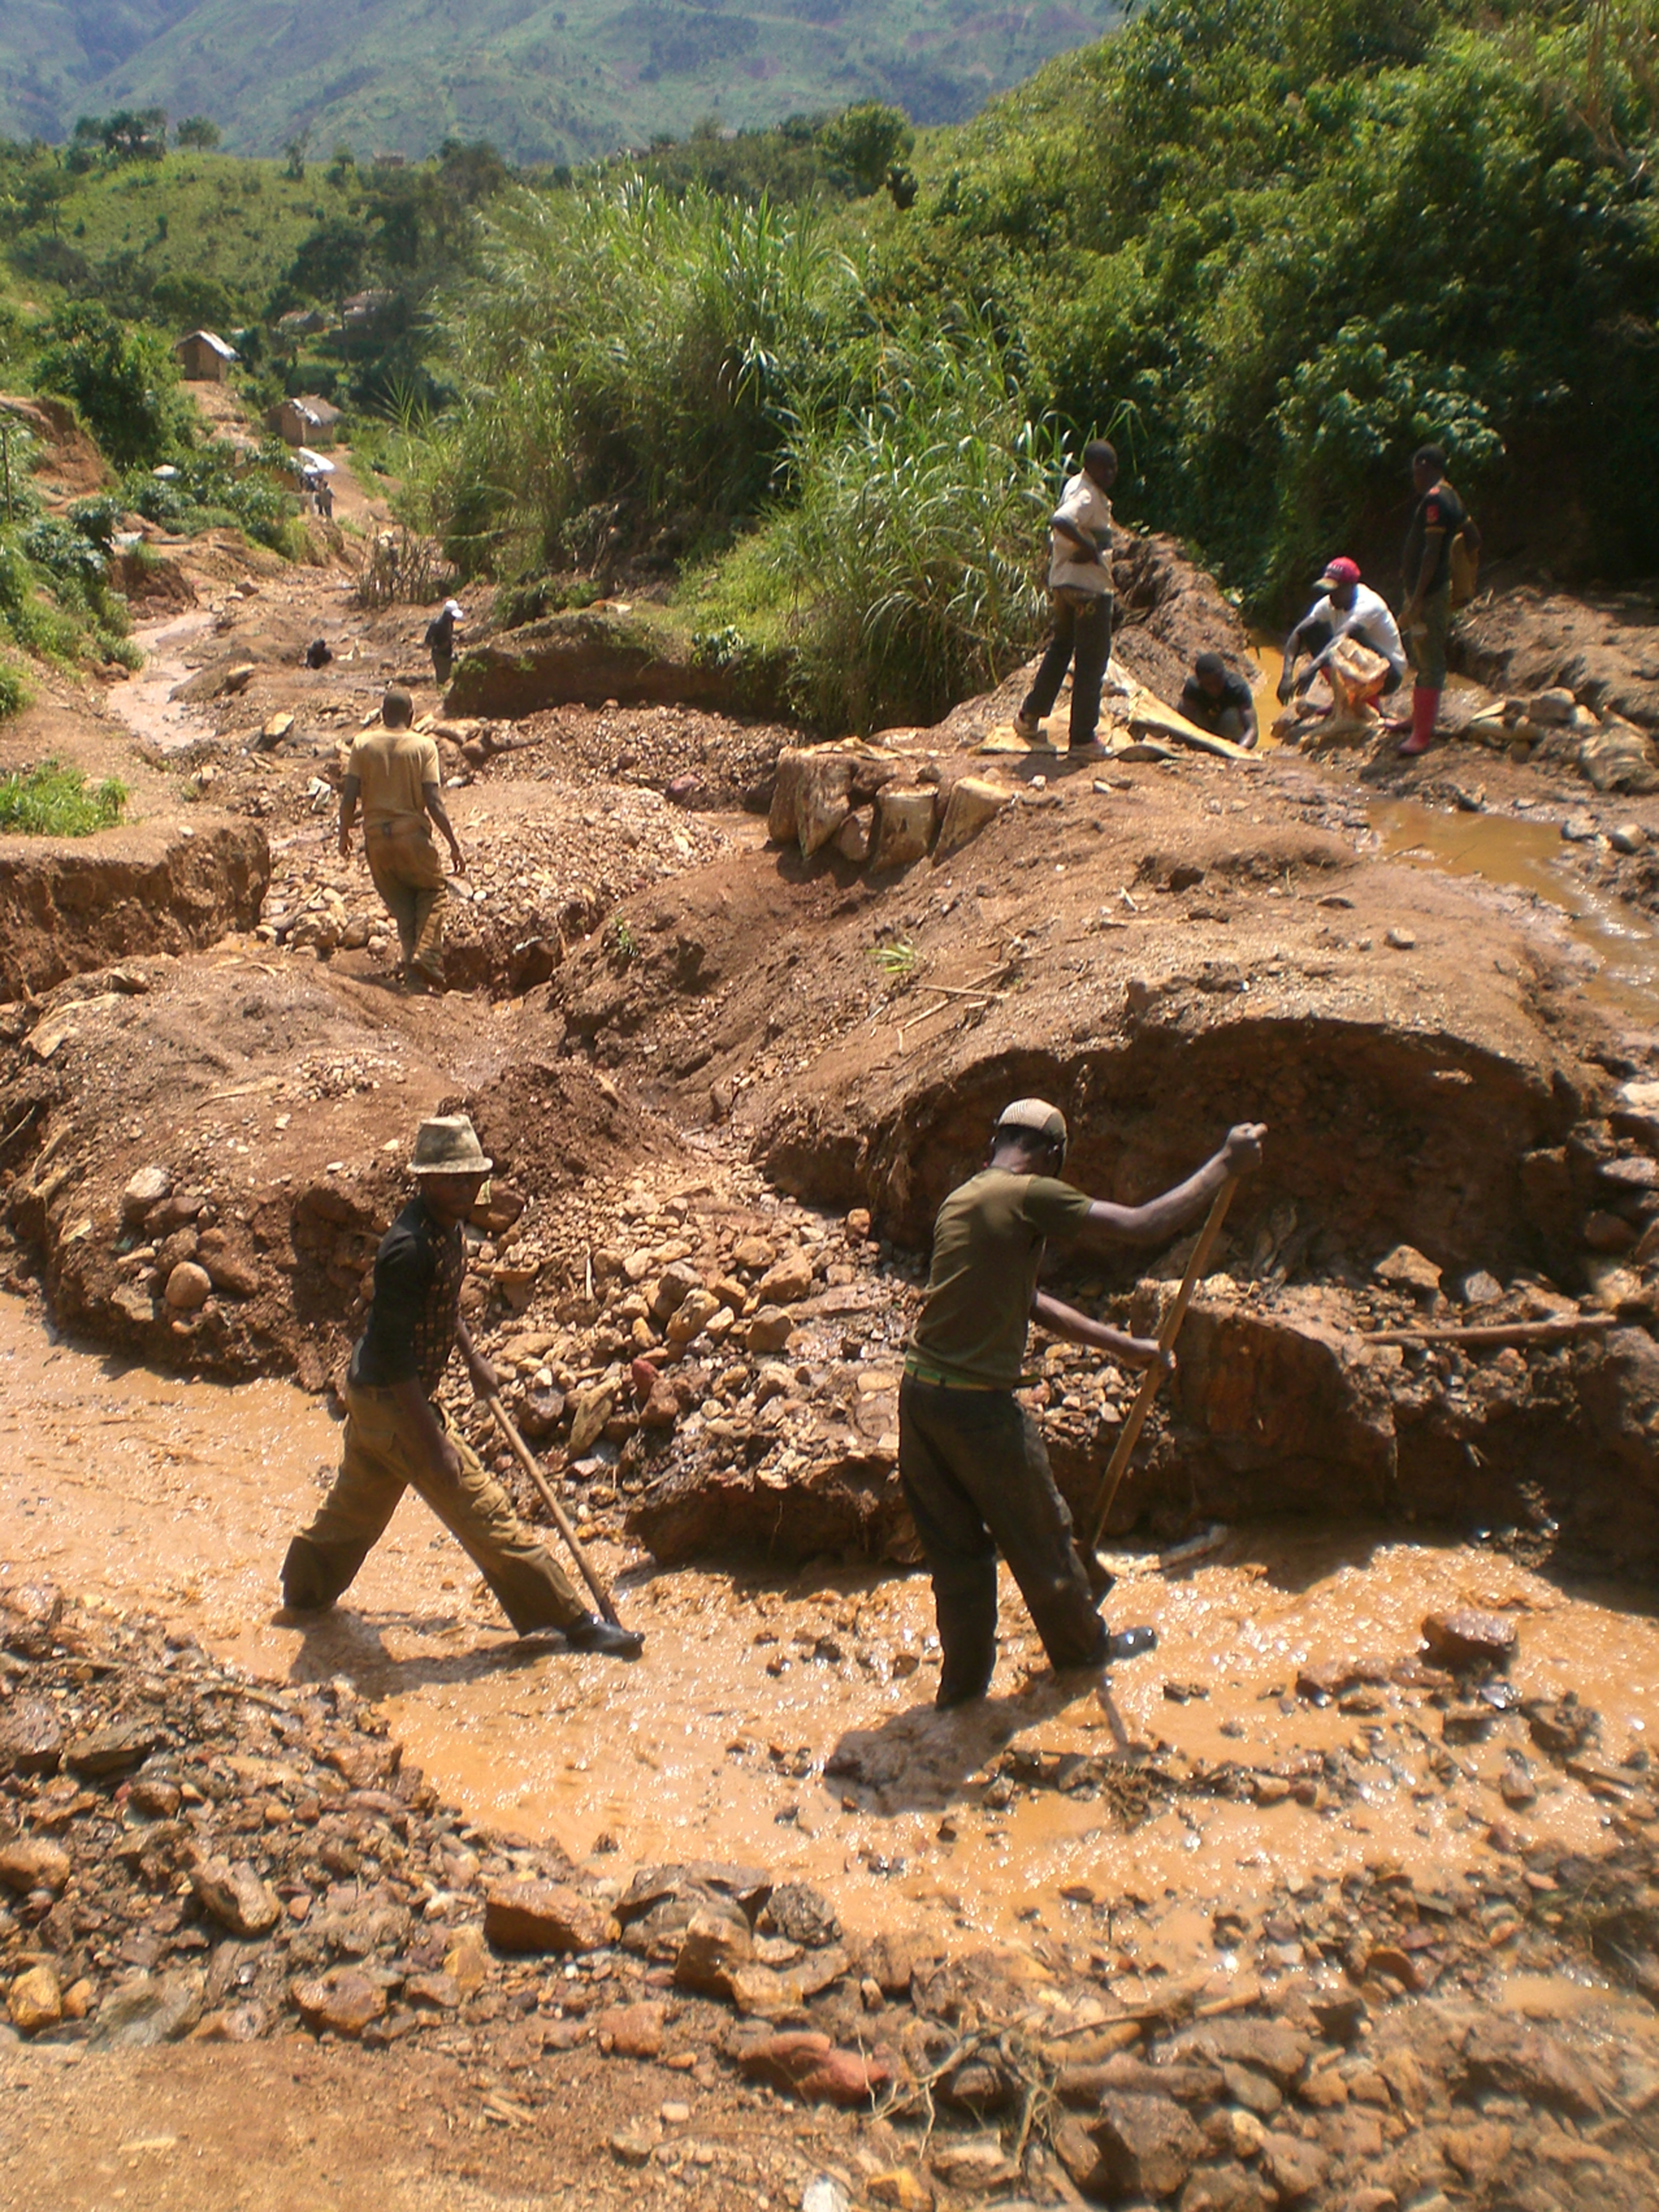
point(1531, 856)
point(134, 1489)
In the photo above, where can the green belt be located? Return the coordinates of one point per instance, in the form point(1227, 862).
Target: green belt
point(917, 1371)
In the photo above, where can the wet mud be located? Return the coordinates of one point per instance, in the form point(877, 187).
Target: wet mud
point(788, 1722)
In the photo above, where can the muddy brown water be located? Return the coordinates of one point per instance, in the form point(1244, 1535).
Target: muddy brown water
point(1532, 856)
point(145, 703)
point(134, 1489)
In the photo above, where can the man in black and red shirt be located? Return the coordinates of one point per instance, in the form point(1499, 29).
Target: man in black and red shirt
point(1426, 571)
point(398, 1438)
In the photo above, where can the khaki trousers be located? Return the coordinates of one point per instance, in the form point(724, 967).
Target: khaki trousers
point(382, 1459)
point(409, 878)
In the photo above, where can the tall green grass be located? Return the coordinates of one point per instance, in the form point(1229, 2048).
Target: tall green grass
point(629, 358)
point(906, 556)
point(14, 692)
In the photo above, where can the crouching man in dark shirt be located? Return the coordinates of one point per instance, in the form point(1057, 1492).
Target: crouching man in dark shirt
point(972, 1461)
point(397, 1437)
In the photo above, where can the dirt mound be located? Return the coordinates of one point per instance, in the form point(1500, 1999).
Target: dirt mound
point(71, 903)
point(1603, 647)
point(69, 465)
point(272, 1110)
point(596, 655)
point(1169, 611)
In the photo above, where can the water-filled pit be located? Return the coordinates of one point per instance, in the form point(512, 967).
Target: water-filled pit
point(139, 1490)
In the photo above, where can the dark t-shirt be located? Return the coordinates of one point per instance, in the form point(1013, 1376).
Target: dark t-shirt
point(987, 1248)
point(1440, 509)
point(417, 1303)
point(1198, 707)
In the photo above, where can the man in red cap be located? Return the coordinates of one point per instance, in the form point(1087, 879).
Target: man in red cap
point(1345, 608)
point(975, 1474)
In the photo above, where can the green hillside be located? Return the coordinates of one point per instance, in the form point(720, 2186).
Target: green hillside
point(543, 82)
point(1269, 246)
point(193, 237)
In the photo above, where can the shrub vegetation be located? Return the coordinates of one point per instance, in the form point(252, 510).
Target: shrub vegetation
point(53, 800)
point(1269, 245)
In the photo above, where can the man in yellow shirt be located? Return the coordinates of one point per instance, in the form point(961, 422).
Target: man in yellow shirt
point(396, 776)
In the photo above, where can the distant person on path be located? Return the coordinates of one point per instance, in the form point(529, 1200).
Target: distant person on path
point(1345, 607)
point(398, 1438)
point(1080, 585)
point(396, 775)
point(972, 1461)
point(1426, 573)
point(1216, 698)
point(440, 639)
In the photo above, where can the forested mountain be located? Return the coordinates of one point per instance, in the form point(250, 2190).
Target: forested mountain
point(542, 81)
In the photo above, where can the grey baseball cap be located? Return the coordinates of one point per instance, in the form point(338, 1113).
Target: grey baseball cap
point(1037, 1115)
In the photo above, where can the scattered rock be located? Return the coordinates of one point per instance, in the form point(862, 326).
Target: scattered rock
point(974, 803)
point(1468, 1641)
point(35, 2001)
point(1405, 1269)
point(114, 1750)
point(148, 1187)
point(787, 1282)
point(545, 1916)
point(34, 1862)
point(148, 2010)
point(189, 1287)
point(236, 1896)
point(811, 2066)
point(769, 1330)
point(1524, 2061)
point(631, 2031)
point(897, 2186)
point(716, 1945)
point(342, 2001)
point(1147, 2144)
point(904, 821)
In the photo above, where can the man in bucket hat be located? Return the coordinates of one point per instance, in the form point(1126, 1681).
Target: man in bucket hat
point(397, 1437)
point(975, 1474)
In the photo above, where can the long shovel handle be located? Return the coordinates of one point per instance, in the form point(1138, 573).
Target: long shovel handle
point(1152, 1379)
point(521, 1452)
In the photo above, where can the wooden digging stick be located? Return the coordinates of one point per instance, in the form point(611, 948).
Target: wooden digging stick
point(521, 1452)
point(1153, 1377)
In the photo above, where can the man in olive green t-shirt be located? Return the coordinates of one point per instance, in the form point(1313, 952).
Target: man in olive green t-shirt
point(395, 774)
point(972, 1461)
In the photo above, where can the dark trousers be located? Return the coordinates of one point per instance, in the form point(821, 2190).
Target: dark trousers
point(977, 1479)
point(1081, 642)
